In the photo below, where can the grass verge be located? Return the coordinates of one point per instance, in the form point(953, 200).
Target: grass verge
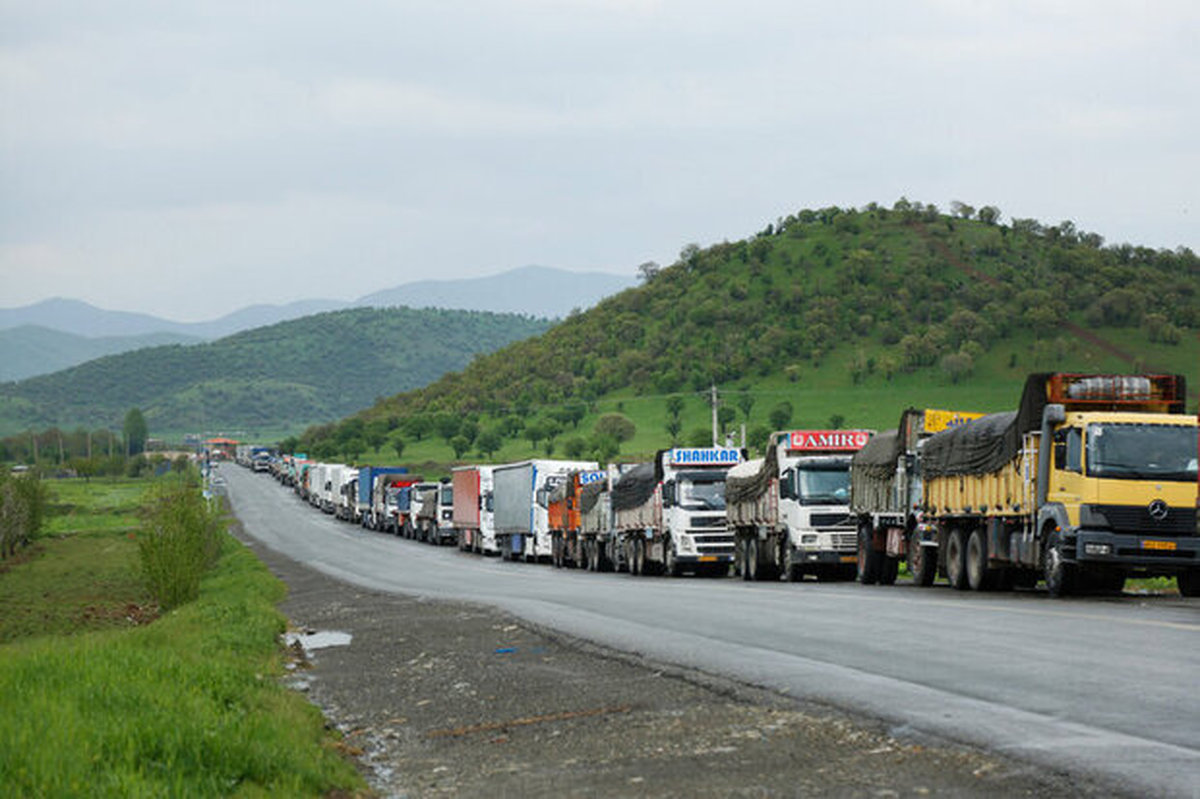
point(188, 706)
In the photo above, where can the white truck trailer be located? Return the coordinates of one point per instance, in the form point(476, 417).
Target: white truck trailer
point(670, 514)
point(521, 499)
point(474, 509)
point(790, 510)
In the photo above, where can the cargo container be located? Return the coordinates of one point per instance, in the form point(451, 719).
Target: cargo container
point(432, 512)
point(670, 514)
point(565, 520)
point(372, 484)
point(790, 510)
point(601, 543)
point(885, 497)
point(473, 513)
point(1092, 480)
point(521, 499)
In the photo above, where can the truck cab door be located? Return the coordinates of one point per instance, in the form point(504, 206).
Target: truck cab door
point(1067, 482)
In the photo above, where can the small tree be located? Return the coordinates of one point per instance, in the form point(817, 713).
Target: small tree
point(459, 444)
point(605, 448)
point(781, 415)
point(957, 365)
point(745, 402)
point(758, 437)
point(616, 425)
point(447, 425)
point(418, 426)
point(135, 431)
point(398, 445)
point(648, 271)
point(989, 214)
point(535, 431)
point(488, 442)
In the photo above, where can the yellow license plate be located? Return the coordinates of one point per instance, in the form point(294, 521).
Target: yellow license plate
point(849, 559)
point(708, 558)
point(1169, 545)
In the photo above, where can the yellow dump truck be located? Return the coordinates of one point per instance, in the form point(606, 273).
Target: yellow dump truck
point(1092, 480)
point(885, 498)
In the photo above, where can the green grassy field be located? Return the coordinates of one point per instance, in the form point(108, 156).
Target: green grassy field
point(188, 705)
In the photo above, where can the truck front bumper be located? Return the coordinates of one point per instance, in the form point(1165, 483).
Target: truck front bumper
point(1159, 554)
point(692, 560)
point(825, 557)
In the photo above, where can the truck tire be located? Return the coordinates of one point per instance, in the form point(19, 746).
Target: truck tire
point(671, 563)
point(956, 559)
point(1188, 583)
point(1061, 577)
point(639, 557)
point(750, 564)
point(791, 571)
point(921, 565)
point(868, 558)
point(978, 576)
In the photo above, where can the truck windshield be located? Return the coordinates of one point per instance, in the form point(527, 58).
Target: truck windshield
point(447, 495)
point(709, 495)
point(823, 486)
point(1142, 452)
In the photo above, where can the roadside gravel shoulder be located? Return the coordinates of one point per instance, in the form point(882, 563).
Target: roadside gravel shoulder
point(450, 699)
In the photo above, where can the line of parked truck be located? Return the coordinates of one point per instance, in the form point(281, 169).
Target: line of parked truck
point(1091, 481)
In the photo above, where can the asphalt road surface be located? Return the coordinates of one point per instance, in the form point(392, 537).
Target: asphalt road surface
point(1102, 687)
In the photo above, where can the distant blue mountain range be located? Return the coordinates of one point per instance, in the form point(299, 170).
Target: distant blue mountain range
point(59, 333)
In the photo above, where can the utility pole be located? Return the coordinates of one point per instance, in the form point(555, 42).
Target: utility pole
point(714, 414)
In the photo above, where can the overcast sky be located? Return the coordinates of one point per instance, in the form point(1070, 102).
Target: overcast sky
point(189, 158)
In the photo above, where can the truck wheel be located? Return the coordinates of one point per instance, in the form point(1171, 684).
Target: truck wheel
point(922, 562)
point(868, 558)
point(956, 559)
point(1189, 583)
point(671, 558)
point(978, 578)
point(750, 565)
point(787, 557)
point(1060, 576)
point(639, 557)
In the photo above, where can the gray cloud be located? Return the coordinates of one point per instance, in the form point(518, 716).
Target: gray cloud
point(181, 158)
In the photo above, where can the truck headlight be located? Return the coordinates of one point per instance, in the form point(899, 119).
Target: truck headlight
point(1097, 549)
point(687, 545)
point(808, 539)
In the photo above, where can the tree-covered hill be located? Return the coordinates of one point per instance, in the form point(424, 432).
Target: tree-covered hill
point(275, 378)
point(851, 314)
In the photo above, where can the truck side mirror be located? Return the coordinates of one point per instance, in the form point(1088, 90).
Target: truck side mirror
point(1060, 454)
point(542, 495)
point(668, 494)
point(785, 485)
